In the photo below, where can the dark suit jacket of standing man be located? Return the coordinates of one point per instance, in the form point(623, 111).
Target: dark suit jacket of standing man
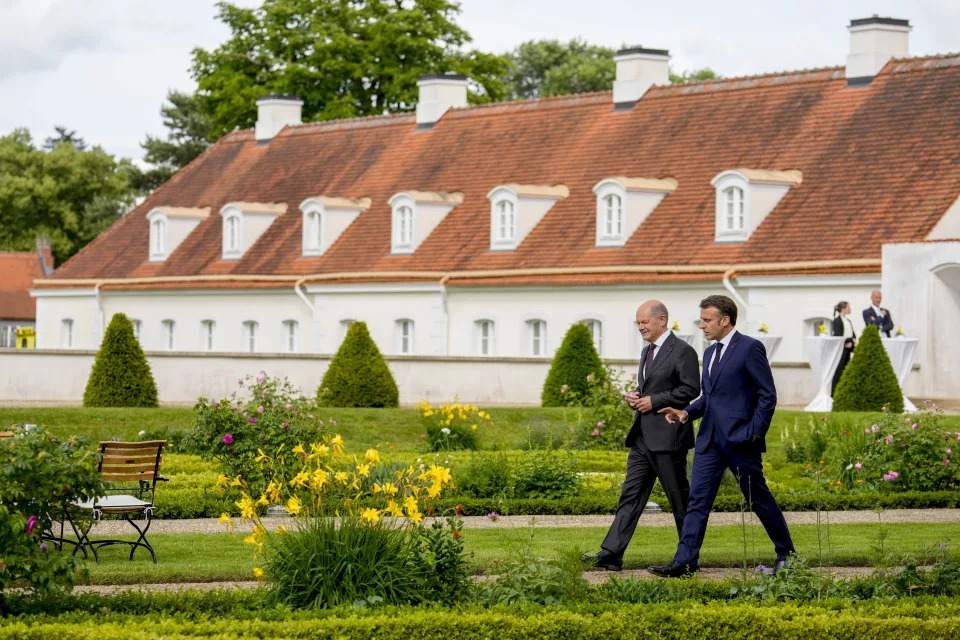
point(657, 449)
point(737, 403)
point(883, 322)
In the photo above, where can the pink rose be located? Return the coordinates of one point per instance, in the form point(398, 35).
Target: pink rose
point(599, 425)
point(227, 438)
point(858, 466)
point(253, 421)
point(260, 409)
point(263, 394)
point(259, 378)
point(31, 524)
point(914, 426)
point(289, 406)
point(949, 451)
point(946, 462)
point(889, 439)
point(595, 432)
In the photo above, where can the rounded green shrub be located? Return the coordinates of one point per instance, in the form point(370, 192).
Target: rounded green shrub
point(869, 383)
point(121, 376)
point(576, 359)
point(358, 375)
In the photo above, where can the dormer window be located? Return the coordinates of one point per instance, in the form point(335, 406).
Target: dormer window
point(415, 214)
point(244, 223)
point(325, 219)
point(745, 197)
point(515, 209)
point(624, 203)
point(169, 226)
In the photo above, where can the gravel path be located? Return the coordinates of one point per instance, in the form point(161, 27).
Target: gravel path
point(211, 525)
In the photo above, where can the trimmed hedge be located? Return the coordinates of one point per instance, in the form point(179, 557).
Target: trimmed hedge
point(358, 375)
point(121, 376)
point(574, 361)
point(719, 621)
point(869, 382)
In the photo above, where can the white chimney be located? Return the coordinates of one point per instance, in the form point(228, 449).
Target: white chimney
point(873, 41)
point(637, 70)
point(438, 93)
point(274, 112)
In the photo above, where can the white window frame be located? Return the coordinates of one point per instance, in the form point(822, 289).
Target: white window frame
point(169, 334)
point(208, 330)
point(595, 325)
point(66, 333)
point(313, 231)
point(158, 238)
point(504, 218)
point(485, 337)
point(8, 336)
point(404, 223)
point(405, 330)
point(728, 184)
point(606, 236)
point(536, 331)
point(251, 336)
point(232, 230)
point(291, 336)
point(137, 327)
point(344, 325)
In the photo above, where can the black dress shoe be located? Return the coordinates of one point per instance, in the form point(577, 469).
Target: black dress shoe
point(781, 563)
point(603, 559)
point(674, 570)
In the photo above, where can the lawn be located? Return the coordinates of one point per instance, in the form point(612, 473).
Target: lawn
point(220, 557)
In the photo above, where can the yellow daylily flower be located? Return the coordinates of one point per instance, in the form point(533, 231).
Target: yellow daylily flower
point(434, 490)
point(394, 510)
point(363, 469)
point(224, 518)
point(390, 489)
point(473, 427)
point(294, 506)
point(370, 515)
point(261, 456)
point(372, 456)
point(223, 479)
point(298, 449)
point(337, 441)
point(340, 477)
point(258, 573)
point(416, 518)
point(263, 500)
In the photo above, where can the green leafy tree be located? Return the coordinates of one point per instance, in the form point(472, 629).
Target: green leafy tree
point(66, 192)
point(342, 58)
point(574, 367)
point(868, 383)
point(697, 75)
point(544, 68)
point(64, 136)
point(121, 376)
point(358, 375)
point(188, 135)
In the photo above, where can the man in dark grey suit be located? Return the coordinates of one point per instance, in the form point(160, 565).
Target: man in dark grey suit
point(669, 374)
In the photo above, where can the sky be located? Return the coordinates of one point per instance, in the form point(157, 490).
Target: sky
point(103, 67)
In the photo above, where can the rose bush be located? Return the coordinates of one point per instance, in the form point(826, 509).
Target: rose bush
point(603, 416)
point(38, 476)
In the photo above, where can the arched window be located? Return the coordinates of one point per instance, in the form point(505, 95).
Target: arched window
point(169, 328)
point(483, 330)
point(66, 333)
point(612, 216)
point(404, 226)
point(537, 337)
point(506, 221)
point(250, 335)
point(207, 328)
point(733, 211)
point(291, 336)
point(136, 328)
point(405, 337)
point(158, 229)
point(596, 332)
point(231, 235)
point(314, 231)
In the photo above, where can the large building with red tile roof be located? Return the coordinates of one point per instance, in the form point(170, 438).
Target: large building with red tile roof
point(18, 270)
point(487, 230)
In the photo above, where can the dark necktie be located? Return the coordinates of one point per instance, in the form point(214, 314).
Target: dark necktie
point(715, 368)
point(648, 361)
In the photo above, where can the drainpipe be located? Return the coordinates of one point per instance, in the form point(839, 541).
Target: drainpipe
point(446, 314)
point(96, 293)
point(299, 291)
point(729, 273)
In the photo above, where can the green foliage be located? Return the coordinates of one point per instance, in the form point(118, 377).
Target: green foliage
point(546, 474)
point(343, 59)
point(121, 376)
point(454, 426)
point(358, 376)
point(543, 68)
point(603, 416)
point(575, 364)
point(530, 580)
point(868, 382)
point(66, 192)
point(268, 413)
point(697, 75)
point(323, 563)
point(485, 476)
point(38, 476)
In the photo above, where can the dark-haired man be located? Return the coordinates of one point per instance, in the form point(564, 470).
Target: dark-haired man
point(736, 402)
point(667, 376)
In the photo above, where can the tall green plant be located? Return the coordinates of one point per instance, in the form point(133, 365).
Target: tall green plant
point(869, 383)
point(574, 366)
point(358, 375)
point(121, 376)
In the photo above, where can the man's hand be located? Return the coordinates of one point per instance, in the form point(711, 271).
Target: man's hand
point(632, 398)
point(644, 405)
point(673, 416)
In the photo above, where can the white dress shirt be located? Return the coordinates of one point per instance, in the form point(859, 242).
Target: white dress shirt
point(655, 345)
point(847, 327)
point(877, 310)
point(725, 341)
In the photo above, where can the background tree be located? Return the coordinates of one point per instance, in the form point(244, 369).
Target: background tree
point(342, 58)
point(67, 136)
point(576, 359)
point(188, 135)
point(358, 376)
point(121, 375)
point(66, 192)
point(697, 75)
point(868, 383)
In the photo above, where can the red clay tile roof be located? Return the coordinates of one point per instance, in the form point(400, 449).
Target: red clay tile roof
point(880, 164)
point(17, 273)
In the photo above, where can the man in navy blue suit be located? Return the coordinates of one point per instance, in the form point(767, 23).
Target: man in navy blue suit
point(737, 400)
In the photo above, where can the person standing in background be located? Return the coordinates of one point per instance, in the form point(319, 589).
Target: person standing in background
point(875, 314)
point(843, 327)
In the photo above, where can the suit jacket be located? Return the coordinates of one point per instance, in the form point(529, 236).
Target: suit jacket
point(671, 382)
point(740, 403)
point(884, 322)
point(838, 331)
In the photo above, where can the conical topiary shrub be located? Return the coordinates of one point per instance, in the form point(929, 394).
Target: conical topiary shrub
point(868, 383)
point(575, 360)
point(358, 375)
point(121, 376)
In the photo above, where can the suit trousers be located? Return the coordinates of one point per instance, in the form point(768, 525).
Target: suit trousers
point(747, 468)
point(643, 469)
